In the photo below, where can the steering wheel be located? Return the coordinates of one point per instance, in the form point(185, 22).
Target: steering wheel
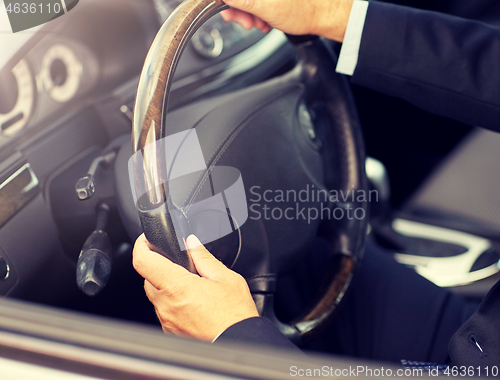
point(263, 145)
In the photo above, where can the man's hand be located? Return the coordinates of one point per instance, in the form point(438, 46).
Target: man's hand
point(187, 304)
point(326, 18)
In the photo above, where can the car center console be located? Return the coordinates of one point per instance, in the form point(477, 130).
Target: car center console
point(466, 263)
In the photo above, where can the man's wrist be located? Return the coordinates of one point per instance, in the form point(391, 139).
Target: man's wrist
point(331, 18)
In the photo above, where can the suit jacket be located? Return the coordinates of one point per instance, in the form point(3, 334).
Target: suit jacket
point(443, 64)
point(448, 66)
point(259, 331)
point(481, 10)
point(476, 343)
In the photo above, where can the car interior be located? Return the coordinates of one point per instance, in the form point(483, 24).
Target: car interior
point(68, 127)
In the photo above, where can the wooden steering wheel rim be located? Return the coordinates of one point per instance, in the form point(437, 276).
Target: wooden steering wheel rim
point(148, 126)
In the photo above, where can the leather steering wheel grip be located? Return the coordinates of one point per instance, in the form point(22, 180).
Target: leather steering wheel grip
point(343, 160)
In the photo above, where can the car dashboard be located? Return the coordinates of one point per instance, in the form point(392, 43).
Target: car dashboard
point(65, 96)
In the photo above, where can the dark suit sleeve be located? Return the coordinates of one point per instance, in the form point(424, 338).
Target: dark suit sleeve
point(257, 331)
point(444, 64)
point(477, 342)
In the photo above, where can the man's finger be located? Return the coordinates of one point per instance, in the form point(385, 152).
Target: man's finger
point(205, 263)
point(259, 23)
point(154, 267)
point(228, 14)
point(244, 19)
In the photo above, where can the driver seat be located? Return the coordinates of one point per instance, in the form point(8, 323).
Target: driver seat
point(462, 193)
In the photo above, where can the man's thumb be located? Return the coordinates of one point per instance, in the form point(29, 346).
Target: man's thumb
point(205, 263)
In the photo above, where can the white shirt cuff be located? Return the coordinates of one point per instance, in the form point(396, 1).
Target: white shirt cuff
point(217, 337)
point(348, 58)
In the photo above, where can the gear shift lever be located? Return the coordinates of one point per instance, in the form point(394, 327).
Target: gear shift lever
point(376, 172)
point(94, 263)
